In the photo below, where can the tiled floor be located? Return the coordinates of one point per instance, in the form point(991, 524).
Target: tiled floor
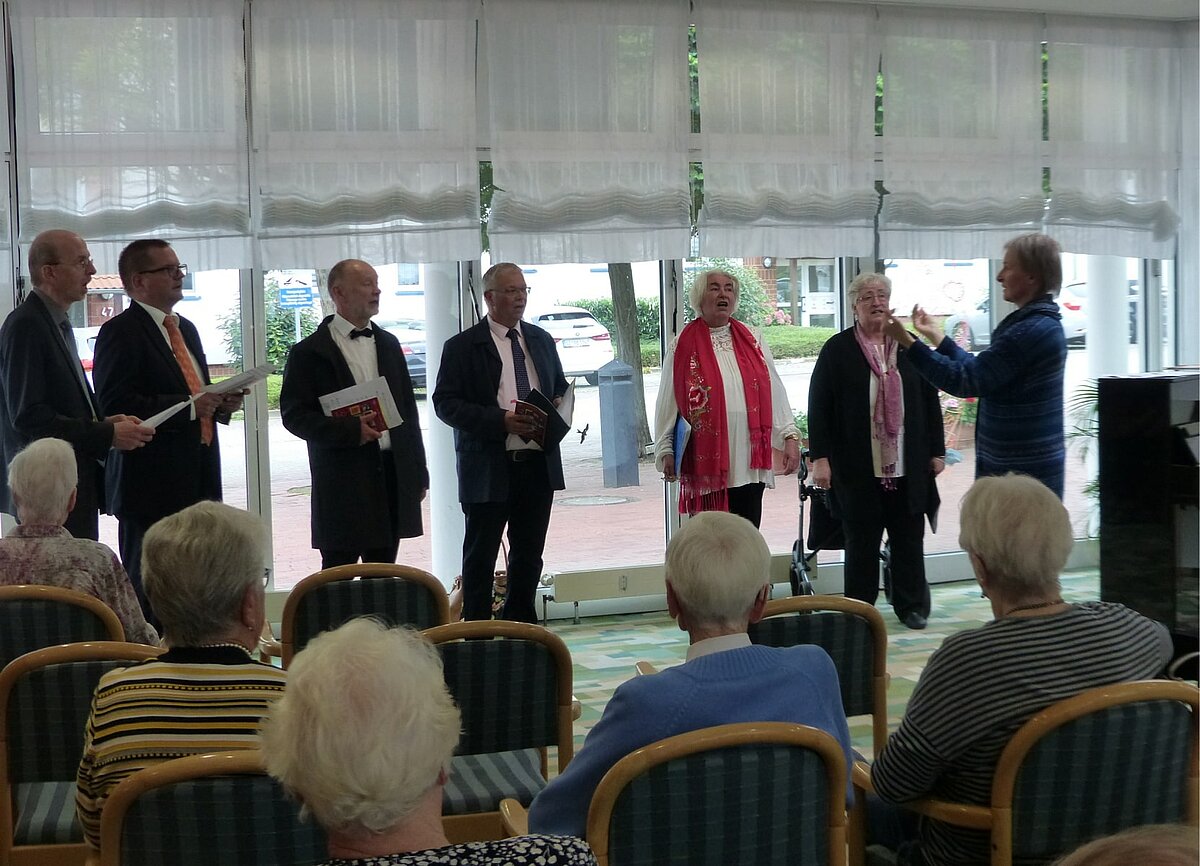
point(605, 649)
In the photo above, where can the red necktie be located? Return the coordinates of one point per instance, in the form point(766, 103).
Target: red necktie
point(171, 323)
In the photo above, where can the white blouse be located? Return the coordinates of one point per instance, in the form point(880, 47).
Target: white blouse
point(782, 420)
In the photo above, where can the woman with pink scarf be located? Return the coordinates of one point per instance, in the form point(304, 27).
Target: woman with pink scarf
point(876, 442)
point(719, 376)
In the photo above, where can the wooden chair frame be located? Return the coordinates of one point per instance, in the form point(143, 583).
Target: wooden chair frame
point(63, 595)
point(242, 762)
point(487, 825)
point(997, 818)
point(879, 644)
point(516, 819)
point(349, 572)
point(48, 855)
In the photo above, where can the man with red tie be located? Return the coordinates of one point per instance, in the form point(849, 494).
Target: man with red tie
point(148, 359)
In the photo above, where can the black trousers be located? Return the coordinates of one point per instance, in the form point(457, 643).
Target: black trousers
point(527, 516)
point(906, 532)
point(746, 501)
point(385, 552)
point(130, 533)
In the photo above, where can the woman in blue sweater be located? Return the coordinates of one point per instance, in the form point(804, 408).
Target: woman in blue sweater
point(1019, 378)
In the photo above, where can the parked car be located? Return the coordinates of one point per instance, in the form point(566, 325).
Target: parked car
point(85, 345)
point(584, 345)
point(411, 334)
point(972, 330)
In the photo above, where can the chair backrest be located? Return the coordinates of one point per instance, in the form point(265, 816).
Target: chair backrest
point(854, 635)
point(33, 617)
point(512, 682)
point(1105, 760)
point(396, 594)
point(205, 809)
point(45, 700)
point(762, 793)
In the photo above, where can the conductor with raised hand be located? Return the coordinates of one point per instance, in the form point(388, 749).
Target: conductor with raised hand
point(502, 478)
point(43, 389)
point(367, 485)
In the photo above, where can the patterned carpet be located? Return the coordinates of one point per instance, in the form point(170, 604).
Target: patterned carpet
point(605, 649)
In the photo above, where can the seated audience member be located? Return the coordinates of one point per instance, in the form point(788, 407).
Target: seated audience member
point(43, 478)
point(363, 737)
point(981, 685)
point(717, 584)
point(202, 569)
point(1152, 845)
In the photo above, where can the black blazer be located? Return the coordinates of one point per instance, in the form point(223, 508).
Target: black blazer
point(465, 398)
point(349, 498)
point(137, 374)
point(41, 396)
point(839, 428)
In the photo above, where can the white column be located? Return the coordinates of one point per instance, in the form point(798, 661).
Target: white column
point(1107, 316)
point(442, 318)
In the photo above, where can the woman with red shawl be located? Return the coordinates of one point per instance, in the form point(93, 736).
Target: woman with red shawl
point(719, 376)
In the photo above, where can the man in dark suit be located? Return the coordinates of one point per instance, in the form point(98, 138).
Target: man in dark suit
point(44, 390)
point(502, 478)
point(149, 359)
point(367, 484)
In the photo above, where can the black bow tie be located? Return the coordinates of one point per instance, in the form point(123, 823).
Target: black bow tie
point(362, 332)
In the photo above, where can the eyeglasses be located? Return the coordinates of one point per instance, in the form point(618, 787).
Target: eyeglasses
point(182, 270)
point(84, 262)
point(513, 291)
point(266, 577)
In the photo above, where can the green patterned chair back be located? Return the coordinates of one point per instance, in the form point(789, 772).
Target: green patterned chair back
point(397, 595)
point(1118, 767)
point(763, 802)
point(244, 818)
point(33, 617)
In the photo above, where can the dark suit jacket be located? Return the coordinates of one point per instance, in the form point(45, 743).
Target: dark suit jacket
point(42, 396)
point(349, 498)
point(839, 428)
point(465, 398)
point(137, 374)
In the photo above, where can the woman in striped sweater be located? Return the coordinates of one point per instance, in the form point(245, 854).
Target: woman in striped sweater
point(202, 569)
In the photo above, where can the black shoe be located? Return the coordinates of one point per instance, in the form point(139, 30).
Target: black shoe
point(914, 620)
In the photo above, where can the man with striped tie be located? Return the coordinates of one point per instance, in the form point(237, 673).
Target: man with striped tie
point(148, 359)
point(504, 478)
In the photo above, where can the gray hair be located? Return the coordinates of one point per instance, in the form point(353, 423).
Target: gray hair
point(41, 478)
point(700, 285)
point(864, 280)
point(1039, 256)
point(196, 567)
point(1020, 530)
point(492, 275)
point(46, 249)
point(1148, 845)
point(717, 563)
point(364, 728)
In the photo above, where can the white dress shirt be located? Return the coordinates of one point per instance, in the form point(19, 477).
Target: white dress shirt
point(361, 357)
point(158, 316)
point(507, 395)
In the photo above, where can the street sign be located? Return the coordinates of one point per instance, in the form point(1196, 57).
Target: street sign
point(295, 297)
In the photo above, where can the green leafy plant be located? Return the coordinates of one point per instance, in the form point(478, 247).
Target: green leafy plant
point(281, 328)
point(753, 306)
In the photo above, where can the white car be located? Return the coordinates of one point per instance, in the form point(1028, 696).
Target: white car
point(584, 345)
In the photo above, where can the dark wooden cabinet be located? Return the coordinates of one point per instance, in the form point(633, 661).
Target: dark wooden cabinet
point(1149, 485)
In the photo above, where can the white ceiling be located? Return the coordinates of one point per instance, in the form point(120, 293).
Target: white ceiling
point(1163, 10)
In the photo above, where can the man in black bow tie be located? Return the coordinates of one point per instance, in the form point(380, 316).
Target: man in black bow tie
point(367, 484)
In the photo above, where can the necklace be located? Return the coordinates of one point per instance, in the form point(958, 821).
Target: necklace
point(1038, 606)
point(229, 644)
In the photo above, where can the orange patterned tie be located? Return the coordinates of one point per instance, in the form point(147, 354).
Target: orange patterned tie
point(171, 323)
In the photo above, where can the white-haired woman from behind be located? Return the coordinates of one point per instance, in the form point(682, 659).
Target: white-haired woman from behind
point(363, 738)
point(719, 376)
point(44, 479)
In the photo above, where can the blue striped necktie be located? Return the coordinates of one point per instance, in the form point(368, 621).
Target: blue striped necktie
point(519, 364)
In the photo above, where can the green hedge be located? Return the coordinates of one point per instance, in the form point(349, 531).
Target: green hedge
point(785, 341)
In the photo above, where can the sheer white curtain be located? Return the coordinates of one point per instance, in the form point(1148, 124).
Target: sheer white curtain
point(962, 131)
point(1187, 265)
point(1114, 136)
point(131, 121)
point(787, 107)
point(364, 127)
point(588, 111)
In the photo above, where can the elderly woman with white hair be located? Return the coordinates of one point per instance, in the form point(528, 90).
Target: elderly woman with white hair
point(43, 479)
point(202, 569)
point(876, 441)
point(719, 377)
point(981, 685)
point(363, 738)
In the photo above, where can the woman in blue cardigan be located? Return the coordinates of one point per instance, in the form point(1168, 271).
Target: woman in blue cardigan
point(1019, 378)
